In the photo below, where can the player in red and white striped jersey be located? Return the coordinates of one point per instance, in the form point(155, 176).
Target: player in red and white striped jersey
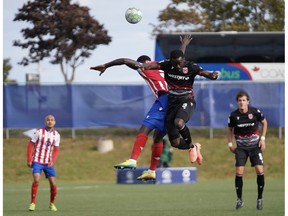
point(42, 153)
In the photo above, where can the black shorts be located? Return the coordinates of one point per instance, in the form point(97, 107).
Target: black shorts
point(180, 107)
point(255, 155)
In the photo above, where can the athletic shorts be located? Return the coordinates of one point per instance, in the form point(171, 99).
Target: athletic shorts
point(155, 118)
point(181, 107)
point(38, 168)
point(255, 155)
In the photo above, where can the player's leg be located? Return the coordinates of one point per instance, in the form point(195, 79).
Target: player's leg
point(50, 174)
point(183, 115)
point(239, 186)
point(172, 131)
point(155, 156)
point(138, 146)
point(148, 124)
point(241, 157)
point(260, 186)
point(257, 161)
point(36, 172)
point(156, 150)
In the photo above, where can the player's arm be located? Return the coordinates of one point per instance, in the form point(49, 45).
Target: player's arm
point(54, 156)
point(184, 42)
point(29, 153)
point(262, 144)
point(121, 61)
point(149, 66)
point(210, 75)
point(229, 139)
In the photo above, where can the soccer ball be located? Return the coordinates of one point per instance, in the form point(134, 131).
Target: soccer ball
point(133, 15)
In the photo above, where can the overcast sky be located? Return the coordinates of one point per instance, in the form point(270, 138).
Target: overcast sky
point(128, 40)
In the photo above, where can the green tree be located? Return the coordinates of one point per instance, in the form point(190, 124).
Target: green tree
point(221, 15)
point(6, 69)
point(61, 31)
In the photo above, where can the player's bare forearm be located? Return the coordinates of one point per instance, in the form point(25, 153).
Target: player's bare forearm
point(210, 75)
point(121, 61)
point(100, 68)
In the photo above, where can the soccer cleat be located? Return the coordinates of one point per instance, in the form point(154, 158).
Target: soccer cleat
point(259, 204)
point(239, 204)
point(193, 154)
point(147, 175)
point(52, 207)
point(199, 155)
point(126, 165)
point(32, 207)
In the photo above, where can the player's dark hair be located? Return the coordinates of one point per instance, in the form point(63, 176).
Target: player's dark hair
point(143, 58)
point(241, 94)
point(175, 54)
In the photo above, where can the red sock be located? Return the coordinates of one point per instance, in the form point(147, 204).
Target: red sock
point(34, 190)
point(156, 154)
point(53, 192)
point(139, 144)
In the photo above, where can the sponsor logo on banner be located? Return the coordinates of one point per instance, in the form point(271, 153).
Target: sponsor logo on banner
point(246, 71)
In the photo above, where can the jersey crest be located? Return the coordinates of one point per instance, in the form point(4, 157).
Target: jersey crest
point(185, 70)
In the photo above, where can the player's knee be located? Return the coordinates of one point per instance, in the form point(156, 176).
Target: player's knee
point(179, 123)
point(174, 143)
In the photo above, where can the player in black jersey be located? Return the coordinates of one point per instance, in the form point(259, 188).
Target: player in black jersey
point(243, 122)
point(180, 75)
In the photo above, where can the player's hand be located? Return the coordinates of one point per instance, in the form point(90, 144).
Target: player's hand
point(50, 164)
point(232, 149)
point(100, 68)
point(29, 164)
point(214, 75)
point(186, 39)
point(262, 145)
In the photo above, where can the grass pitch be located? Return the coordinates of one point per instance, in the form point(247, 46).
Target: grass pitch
point(81, 171)
point(209, 198)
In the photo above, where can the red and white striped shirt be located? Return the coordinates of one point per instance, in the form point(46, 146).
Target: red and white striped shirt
point(44, 143)
point(155, 80)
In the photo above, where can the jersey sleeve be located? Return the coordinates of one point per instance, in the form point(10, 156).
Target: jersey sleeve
point(230, 121)
point(195, 68)
point(35, 136)
point(163, 65)
point(57, 140)
point(260, 116)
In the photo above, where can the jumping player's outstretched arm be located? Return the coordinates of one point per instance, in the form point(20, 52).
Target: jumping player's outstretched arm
point(210, 75)
point(121, 61)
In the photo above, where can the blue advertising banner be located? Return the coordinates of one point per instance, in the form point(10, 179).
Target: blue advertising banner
point(94, 106)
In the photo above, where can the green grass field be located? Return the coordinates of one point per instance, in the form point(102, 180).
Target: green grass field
point(209, 198)
point(86, 180)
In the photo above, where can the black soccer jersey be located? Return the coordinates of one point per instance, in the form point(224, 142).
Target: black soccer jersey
point(180, 80)
point(246, 126)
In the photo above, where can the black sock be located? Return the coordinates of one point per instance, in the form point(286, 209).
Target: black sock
point(183, 145)
point(260, 184)
point(239, 186)
point(185, 133)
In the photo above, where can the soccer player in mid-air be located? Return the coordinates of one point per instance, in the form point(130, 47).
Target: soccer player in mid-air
point(154, 119)
point(180, 75)
point(243, 122)
point(42, 152)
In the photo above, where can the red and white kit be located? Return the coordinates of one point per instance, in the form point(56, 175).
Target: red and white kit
point(44, 141)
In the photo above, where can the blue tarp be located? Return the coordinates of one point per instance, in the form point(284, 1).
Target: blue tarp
point(93, 106)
